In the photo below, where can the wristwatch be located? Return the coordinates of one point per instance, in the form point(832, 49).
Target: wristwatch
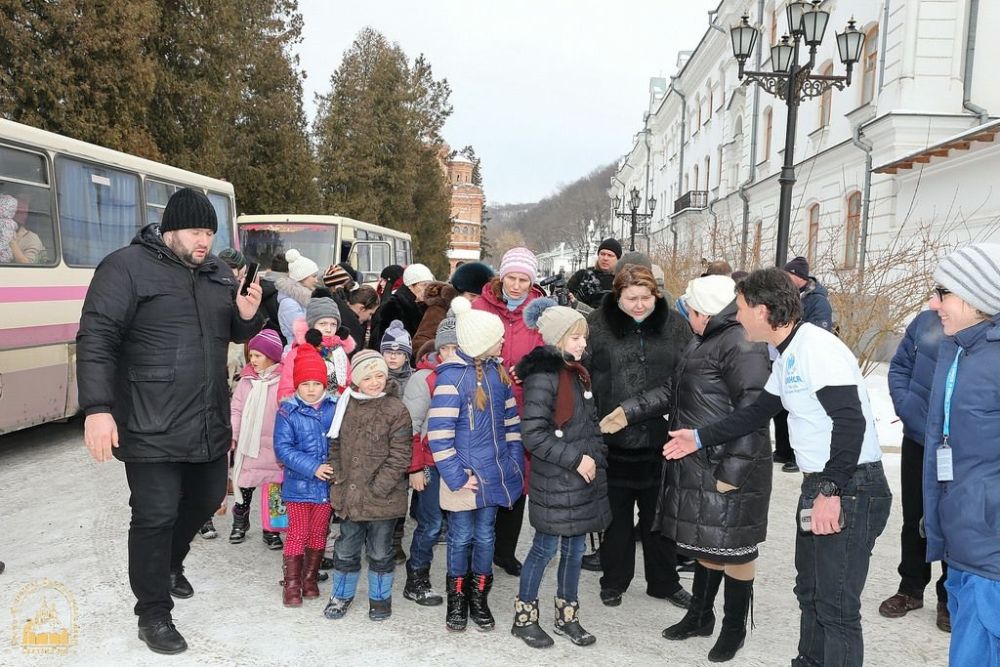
point(829, 488)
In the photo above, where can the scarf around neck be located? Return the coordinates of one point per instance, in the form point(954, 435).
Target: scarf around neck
point(338, 415)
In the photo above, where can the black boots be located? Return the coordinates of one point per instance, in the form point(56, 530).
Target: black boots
point(241, 524)
point(526, 625)
point(699, 621)
point(568, 623)
point(479, 586)
point(162, 637)
point(738, 596)
point(418, 587)
point(458, 604)
point(180, 587)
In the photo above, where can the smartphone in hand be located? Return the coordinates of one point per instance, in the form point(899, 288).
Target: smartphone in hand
point(251, 275)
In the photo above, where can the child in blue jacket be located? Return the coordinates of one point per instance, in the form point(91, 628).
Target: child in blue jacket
point(301, 445)
point(474, 434)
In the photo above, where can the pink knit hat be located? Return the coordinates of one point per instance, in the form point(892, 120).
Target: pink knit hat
point(268, 344)
point(519, 260)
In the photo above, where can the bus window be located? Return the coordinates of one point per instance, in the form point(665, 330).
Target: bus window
point(27, 235)
point(98, 210)
point(224, 236)
point(371, 258)
point(157, 194)
point(261, 242)
point(402, 251)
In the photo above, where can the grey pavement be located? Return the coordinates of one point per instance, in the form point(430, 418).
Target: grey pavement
point(65, 517)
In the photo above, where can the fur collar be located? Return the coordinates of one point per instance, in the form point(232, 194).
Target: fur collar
point(545, 359)
point(439, 294)
point(621, 324)
point(293, 289)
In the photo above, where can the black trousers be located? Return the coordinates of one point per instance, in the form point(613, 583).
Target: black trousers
point(659, 555)
point(782, 447)
point(508, 530)
point(914, 570)
point(170, 502)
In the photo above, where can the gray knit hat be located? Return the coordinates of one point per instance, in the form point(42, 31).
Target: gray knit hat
point(446, 333)
point(973, 273)
point(634, 257)
point(319, 308)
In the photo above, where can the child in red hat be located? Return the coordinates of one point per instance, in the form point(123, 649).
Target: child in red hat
point(301, 445)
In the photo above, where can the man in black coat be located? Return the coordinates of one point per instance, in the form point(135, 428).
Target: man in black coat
point(591, 284)
point(406, 305)
point(151, 372)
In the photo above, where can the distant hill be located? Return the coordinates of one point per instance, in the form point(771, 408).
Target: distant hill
point(561, 217)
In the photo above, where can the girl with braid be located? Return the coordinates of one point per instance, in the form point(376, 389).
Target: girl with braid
point(474, 435)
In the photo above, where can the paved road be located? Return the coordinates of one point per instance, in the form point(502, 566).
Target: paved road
point(64, 518)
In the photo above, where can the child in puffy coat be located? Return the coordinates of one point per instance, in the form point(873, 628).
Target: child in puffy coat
point(370, 446)
point(253, 409)
point(424, 478)
point(300, 444)
point(569, 489)
point(473, 432)
point(334, 343)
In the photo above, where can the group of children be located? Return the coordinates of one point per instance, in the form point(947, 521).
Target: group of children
point(350, 434)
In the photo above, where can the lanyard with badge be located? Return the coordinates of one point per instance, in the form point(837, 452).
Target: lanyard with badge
point(945, 471)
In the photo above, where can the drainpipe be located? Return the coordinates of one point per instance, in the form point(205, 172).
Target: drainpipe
point(864, 145)
point(752, 175)
point(970, 52)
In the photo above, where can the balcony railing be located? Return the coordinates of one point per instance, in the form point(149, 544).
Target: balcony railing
point(691, 199)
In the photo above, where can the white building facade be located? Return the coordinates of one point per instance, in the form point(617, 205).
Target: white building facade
point(907, 147)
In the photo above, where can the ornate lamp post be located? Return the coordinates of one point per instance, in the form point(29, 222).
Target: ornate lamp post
point(634, 202)
point(794, 82)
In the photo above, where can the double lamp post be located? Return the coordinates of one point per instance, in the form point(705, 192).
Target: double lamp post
point(634, 202)
point(792, 82)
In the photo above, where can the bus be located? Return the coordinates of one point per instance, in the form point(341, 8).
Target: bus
point(75, 203)
point(325, 239)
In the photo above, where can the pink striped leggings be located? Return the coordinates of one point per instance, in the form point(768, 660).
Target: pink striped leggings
point(308, 524)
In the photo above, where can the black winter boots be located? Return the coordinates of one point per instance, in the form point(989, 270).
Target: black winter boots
point(457, 616)
point(699, 621)
point(479, 586)
point(526, 625)
point(418, 587)
point(738, 596)
point(568, 623)
point(241, 524)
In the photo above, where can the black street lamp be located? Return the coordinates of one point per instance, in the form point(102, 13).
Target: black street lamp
point(792, 82)
point(634, 202)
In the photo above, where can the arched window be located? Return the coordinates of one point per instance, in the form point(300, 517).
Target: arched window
point(869, 65)
point(852, 231)
point(697, 104)
point(718, 176)
point(708, 173)
point(768, 120)
point(710, 106)
point(774, 24)
point(812, 240)
point(694, 177)
point(826, 99)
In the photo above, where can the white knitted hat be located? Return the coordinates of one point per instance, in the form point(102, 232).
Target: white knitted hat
point(299, 267)
point(477, 330)
point(550, 319)
point(416, 273)
point(709, 295)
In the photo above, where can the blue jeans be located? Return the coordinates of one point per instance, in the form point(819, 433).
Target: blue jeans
point(543, 548)
point(374, 536)
point(973, 603)
point(427, 508)
point(831, 569)
point(470, 541)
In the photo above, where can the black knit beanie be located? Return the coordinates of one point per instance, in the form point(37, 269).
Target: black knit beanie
point(613, 245)
point(798, 267)
point(188, 209)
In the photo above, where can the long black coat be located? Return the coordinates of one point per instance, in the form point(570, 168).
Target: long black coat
point(560, 501)
point(721, 372)
point(402, 306)
point(152, 349)
point(626, 359)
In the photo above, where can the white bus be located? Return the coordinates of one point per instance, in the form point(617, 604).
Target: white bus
point(75, 203)
point(325, 239)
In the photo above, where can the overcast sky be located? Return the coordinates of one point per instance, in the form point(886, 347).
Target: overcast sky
point(544, 90)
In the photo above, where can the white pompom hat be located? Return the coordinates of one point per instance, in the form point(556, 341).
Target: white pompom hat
point(477, 330)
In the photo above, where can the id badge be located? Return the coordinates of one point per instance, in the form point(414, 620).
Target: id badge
point(945, 471)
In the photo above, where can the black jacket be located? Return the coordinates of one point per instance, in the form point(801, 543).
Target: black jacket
point(152, 347)
point(626, 359)
point(269, 307)
point(590, 285)
point(349, 320)
point(402, 306)
point(560, 501)
point(720, 373)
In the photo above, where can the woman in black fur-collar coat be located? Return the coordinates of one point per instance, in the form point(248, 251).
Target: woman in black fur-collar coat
point(636, 341)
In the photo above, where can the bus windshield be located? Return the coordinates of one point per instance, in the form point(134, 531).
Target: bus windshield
point(261, 242)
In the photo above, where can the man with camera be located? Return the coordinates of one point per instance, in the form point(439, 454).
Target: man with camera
point(591, 284)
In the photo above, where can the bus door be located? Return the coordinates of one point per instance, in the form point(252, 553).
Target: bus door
point(370, 257)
